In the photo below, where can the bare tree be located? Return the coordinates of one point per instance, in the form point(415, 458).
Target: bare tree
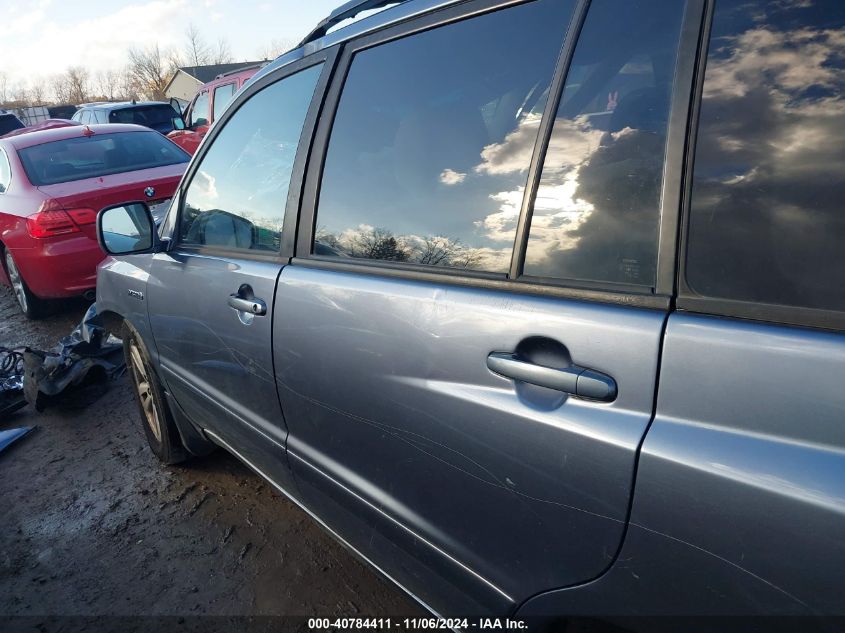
point(174, 61)
point(379, 243)
point(20, 94)
point(77, 83)
point(108, 84)
point(221, 53)
point(127, 88)
point(4, 87)
point(38, 90)
point(467, 258)
point(275, 47)
point(437, 250)
point(60, 88)
point(196, 50)
point(324, 236)
point(148, 71)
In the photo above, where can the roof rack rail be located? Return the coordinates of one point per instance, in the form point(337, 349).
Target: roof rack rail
point(345, 12)
point(261, 64)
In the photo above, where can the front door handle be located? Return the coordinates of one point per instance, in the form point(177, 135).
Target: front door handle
point(578, 381)
point(250, 306)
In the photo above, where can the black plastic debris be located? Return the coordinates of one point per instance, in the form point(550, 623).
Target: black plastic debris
point(11, 435)
point(77, 371)
point(11, 381)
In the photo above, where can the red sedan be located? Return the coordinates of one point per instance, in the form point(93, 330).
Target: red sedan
point(52, 184)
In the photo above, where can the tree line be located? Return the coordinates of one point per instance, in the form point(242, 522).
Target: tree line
point(368, 242)
point(144, 75)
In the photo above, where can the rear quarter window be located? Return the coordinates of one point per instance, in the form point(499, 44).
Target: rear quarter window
point(767, 217)
point(146, 116)
point(98, 155)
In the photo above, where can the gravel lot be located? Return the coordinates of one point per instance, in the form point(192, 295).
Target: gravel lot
point(93, 525)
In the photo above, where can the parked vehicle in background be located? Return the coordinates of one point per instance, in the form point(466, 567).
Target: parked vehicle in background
point(61, 111)
point(9, 122)
point(47, 124)
point(207, 106)
point(52, 182)
point(32, 115)
point(156, 115)
point(537, 305)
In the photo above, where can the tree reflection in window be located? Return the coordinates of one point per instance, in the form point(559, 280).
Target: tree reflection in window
point(433, 137)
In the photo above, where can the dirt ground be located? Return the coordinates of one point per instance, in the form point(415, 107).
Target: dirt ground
point(93, 525)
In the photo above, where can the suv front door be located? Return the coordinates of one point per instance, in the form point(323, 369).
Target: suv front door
point(466, 413)
point(211, 294)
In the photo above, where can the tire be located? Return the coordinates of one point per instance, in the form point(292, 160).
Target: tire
point(156, 418)
point(30, 305)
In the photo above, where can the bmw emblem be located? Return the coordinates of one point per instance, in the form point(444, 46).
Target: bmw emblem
point(149, 192)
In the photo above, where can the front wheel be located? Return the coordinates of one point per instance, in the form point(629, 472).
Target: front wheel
point(30, 305)
point(157, 421)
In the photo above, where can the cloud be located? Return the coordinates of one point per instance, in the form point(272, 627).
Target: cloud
point(43, 44)
point(451, 177)
point(23, 20)
point(513, 154)
point(768, 165)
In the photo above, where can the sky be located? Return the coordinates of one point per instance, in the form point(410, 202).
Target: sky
point(44, 37)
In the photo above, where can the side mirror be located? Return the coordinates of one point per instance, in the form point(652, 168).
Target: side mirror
point(125, 229)
point(174, 103)
point(199, 122)
point(178, 123)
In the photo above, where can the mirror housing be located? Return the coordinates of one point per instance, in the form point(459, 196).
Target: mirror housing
point(174, 103)
point(127, 229)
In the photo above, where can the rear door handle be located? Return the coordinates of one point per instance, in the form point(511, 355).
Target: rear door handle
point(578, 381)
point(250, 306)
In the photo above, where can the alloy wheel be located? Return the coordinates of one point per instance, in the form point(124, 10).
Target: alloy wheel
point(145, 390)
point(16, 281)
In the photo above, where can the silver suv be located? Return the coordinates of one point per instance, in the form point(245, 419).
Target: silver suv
point(538, 306)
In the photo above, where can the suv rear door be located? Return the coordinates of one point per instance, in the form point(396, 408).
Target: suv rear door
point(749, 437)
point(466, 346)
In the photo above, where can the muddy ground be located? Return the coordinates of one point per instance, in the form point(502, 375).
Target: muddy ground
point(93, 525)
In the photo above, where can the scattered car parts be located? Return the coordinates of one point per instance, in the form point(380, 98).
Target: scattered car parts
point(77, 370)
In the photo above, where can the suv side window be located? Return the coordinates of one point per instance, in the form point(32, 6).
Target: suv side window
point(222, 97)
point(199, 113)
point(237, 196)
point(597, 211)
point(767, 216)
point(430, 148)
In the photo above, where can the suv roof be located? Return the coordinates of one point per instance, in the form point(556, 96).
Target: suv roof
point(321, 37)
